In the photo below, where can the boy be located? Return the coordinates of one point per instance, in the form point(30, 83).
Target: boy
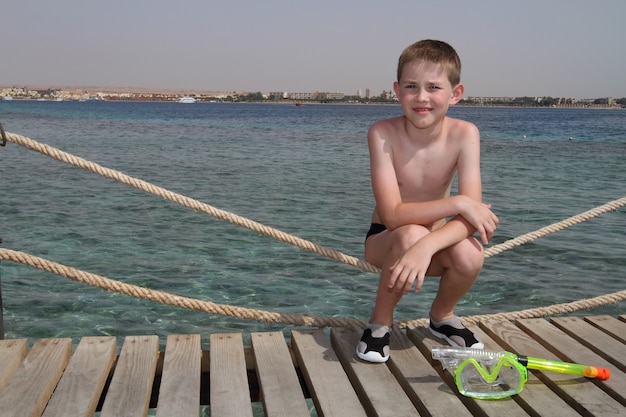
point(413, 160)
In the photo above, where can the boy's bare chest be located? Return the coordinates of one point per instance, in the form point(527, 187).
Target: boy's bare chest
point(424, 173)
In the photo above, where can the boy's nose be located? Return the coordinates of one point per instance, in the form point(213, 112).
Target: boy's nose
point(421, 95)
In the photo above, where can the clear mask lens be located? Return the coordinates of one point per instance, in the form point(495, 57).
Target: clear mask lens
point(490, 380)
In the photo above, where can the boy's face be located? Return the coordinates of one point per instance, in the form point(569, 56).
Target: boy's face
point(425, 93)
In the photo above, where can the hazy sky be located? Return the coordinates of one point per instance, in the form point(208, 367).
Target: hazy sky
point(559, 48)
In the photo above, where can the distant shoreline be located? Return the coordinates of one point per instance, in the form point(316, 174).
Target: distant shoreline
point(289, 102)
point(90, 93)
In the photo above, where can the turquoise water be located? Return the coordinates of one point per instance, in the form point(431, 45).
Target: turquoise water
point(303, 170)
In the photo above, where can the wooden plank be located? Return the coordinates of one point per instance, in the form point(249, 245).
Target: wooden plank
point(616, 328)
point(12, 352)
point(230, 394)
point(579, 393)
point(280, 386)
point(595, 339)
point(131, 386)
point(377, 388)
point(179, 393)
point(328, 384)
point(567, 350)
point(509, 407)
point(30, 389)
point(81, 385)
point(422, 383)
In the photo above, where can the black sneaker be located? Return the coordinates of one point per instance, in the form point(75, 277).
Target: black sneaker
point(453, 332)
point(374, 349)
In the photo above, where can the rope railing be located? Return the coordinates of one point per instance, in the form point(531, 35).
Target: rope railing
point(167, 298)
point(555, 227)
point(275, 317)
point(262, 315)
point(269, 231)
point(187, 201)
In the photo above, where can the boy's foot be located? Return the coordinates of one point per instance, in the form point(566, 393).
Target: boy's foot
point(453, 332)
point(374, 344)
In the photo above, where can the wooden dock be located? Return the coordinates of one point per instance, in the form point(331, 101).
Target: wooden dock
point(53, 379)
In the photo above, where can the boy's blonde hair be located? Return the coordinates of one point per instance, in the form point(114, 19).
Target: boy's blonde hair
point(436, 52)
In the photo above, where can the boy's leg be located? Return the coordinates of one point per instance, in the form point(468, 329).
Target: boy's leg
point(374, 343)
point(383, 250)
point(460, 265)
point(391, 246)
point(386, 299)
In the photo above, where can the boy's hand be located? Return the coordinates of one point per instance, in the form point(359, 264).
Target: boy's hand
point(482, 218)
point(410, 268)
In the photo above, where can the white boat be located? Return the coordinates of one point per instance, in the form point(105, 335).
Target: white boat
point(186, 100)
point(7, 98)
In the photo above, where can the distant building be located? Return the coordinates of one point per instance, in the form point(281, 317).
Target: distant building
point(388, 96)
point(300, 96)
point(329, 96)
point(278, 95)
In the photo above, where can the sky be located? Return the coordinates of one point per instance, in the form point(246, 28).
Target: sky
point(556, 48)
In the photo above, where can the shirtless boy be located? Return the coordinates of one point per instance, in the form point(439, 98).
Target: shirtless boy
point(418, 229)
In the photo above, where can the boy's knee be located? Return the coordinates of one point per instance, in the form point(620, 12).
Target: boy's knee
point(469, 257)
point(407, 236)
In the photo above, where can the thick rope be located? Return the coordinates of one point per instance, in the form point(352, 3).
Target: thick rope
point(187, 202)
point(555, 227)
point(170, 299)
point(275, 317)
point(269, 231)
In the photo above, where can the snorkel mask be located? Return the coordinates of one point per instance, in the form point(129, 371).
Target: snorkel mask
point(486, 374)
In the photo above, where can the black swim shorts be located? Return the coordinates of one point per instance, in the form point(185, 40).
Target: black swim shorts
point(375, 228)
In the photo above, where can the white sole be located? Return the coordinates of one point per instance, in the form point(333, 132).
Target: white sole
point(373, 357)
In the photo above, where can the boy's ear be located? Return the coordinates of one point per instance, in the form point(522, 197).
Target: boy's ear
point(457, 94)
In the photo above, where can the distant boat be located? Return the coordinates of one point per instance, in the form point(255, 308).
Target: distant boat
point(7, 98)
point(187, 100)
point(298, 103)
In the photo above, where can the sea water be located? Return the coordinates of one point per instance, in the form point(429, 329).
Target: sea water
point(302, 170)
